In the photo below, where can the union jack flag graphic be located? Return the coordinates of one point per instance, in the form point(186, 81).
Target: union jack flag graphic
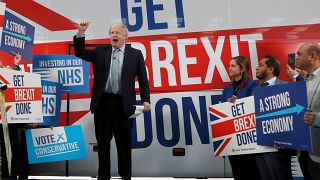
point(3, 81)
point(233, 128)
point(2, 10)
point(44, 17)
point(218, 145)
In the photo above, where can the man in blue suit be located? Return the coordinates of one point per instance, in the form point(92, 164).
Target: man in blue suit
point(272, 165)
point(113, 98)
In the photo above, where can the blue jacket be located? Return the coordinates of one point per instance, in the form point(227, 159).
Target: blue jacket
point(247, 90)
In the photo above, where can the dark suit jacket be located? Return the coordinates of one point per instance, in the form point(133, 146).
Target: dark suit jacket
point(133, 65)
point(278, 81)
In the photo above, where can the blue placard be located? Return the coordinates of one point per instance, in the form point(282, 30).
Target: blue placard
point(279, 116)
point(57, 144)
point(68, 70)
point(51, 103)
point(17, 36)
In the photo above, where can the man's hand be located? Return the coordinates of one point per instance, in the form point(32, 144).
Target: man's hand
point(17, 58)
point(32, 125)
point(147, 106)
point(309, 117)
point(291, 72)
point(83, 27)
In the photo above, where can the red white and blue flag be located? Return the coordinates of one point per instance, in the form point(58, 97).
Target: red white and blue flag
point(2, 10)
point(233, 128)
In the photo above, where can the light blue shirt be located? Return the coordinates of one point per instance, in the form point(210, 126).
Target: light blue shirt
point(122, 49)
point(272, 81)
point(79, 36)
point(294, 77)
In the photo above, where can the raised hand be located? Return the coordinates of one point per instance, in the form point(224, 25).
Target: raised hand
point(17, 58)
point(291, 72)
point(83, 27)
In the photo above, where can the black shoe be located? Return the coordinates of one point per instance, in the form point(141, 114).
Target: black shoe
point(103, 178)
point(129, 178)
point(8, 178)
point(23, 177)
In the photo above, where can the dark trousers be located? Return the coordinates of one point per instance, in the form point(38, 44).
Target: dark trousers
point(111, 121)
point(244, 167)
point(314, 169)
point(19, 161)
point(274, 165)
point(309, 168)
point(303, 161)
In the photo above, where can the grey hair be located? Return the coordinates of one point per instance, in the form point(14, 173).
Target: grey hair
point(123, 26)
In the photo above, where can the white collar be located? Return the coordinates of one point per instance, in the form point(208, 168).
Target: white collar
point(122, 48)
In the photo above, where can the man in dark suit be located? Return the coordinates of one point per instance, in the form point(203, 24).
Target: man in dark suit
point(113, 94)
point(273, 165)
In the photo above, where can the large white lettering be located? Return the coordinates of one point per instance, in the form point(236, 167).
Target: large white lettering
point(184, 61)
point(157, 64)
point(215, 59)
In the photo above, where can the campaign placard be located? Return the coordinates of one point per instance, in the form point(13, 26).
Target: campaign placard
point(68, 70)
point(2, 10)
point(17, 36)
point(279, 116)
point(233, 128)
point(51, 103)
point(23, 96)
point(56, 144)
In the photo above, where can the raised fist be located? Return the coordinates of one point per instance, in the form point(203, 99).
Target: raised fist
point(83, 27)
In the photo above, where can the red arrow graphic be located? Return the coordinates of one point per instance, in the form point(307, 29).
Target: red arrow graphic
point(41, 15)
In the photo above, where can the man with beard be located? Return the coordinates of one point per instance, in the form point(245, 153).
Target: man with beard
point(272, 165)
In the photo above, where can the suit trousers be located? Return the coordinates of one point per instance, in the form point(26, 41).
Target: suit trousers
point(274, 165)
point(244, 167)
point(304, 161)
point(111, 121)
point(314, 169)
point(309, 168)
